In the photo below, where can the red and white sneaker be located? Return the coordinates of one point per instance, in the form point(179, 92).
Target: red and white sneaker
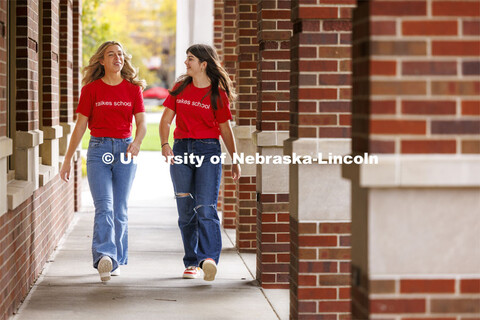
point(209, 268)
point(191, 272)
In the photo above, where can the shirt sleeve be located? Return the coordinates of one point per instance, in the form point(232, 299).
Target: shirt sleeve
point(138, 106)
point(223, 113)
point(85, 103)
point(171, 101)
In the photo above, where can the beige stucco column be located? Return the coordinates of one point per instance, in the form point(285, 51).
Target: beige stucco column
point(26, 155)
point(50, 153)
point(65, 138)
point(5, 151)
point(50, 149)
point(318, 191)
point(245, 144)
point(271, 178)
point(26, 167)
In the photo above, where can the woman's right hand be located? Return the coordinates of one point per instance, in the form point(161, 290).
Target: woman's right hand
point(80, 127)
point(65, 171)
point(236, 171)
point(167, 153)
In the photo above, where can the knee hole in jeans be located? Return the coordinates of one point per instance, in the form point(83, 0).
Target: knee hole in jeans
point(183, 195)
point(204, 205)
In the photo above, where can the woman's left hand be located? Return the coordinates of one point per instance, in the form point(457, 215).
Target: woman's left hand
point(133, 148)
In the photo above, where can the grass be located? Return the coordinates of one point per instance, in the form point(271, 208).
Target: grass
point(151, 142)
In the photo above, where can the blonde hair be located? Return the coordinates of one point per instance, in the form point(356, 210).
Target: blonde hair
point(95, 70)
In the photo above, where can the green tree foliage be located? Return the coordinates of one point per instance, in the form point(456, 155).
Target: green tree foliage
point(144, 27)
point(94, 31)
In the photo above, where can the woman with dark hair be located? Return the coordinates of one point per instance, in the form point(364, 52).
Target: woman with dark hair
point(201, 102)
point(111, 96)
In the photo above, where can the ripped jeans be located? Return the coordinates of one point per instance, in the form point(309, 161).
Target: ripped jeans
point(196, 191)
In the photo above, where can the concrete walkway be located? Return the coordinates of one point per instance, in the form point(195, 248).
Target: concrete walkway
point(150, 286)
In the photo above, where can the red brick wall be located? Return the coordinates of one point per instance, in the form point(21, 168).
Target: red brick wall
point(273, 238)
point(26, 52)
point(218, 11)
point(66, 61)
point(274, 32)
point(422, 75)
point(246, 83)
point(49, 64)
point(360, 89)
point(3, 68)
point(320, 270)
point(229, 198)
point(220, 197)
point(230, 55)
point(28, 236)
point(229, 46)
point(321, 67)
point(77, 50)
point(76, 87)
point(246, 73)
point(218, 8)
point(273, 85)
point(77, 167)
point(409, 299)
point(247, 214)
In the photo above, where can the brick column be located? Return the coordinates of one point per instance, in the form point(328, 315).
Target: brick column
point(218, 12)
point(415, 214)
point(28, 137)
point(76, 84)
point(218, 9)
point(320, 123)
point(66, 72)
point(229, 189)
point(49, 82)
point(5, 141)
point(3, 68)
point(246, 79)
point(273, 85)
point(50, 67)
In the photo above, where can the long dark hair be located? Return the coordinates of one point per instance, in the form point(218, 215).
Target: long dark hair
point(215, 72)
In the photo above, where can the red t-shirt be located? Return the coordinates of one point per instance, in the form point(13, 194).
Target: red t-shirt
point(110, 109)
point(196, 118)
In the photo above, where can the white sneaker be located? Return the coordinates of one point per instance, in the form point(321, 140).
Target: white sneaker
point(209, 268)
point(116, 272)
point(104, 268)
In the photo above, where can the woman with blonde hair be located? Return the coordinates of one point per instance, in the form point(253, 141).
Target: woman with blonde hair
point(111, 96)
point(201, 102)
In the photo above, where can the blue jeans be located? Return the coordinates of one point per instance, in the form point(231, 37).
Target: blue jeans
point(196, 191)
point(110, 185)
